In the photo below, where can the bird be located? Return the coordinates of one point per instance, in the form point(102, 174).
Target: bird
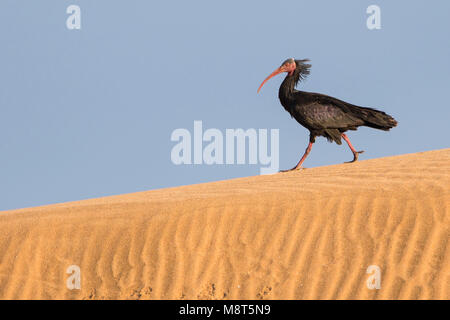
point(323, 115)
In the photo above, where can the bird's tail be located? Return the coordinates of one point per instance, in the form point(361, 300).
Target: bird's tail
point(376, 119)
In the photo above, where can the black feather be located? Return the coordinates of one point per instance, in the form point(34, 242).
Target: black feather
point(323, 115)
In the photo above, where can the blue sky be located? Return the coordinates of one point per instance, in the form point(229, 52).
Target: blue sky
point(89, 113)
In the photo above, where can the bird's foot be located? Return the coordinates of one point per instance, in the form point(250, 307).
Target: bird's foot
point(293, 169)
point(355, 156)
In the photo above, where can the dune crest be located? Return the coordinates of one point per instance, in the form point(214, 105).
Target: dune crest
point(298, 235)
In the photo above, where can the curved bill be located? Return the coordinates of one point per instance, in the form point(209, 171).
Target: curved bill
point(273, 74)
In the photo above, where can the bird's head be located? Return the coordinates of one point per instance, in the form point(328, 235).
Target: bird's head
point(290, 66)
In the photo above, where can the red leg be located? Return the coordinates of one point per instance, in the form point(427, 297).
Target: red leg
point(308, 149)
point(355, 153)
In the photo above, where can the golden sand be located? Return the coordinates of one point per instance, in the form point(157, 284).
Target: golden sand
point(310, 234)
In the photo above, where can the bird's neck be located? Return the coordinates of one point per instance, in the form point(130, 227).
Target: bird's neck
point(287, 89)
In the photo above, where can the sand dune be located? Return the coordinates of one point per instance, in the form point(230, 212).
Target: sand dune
point(300, 235)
